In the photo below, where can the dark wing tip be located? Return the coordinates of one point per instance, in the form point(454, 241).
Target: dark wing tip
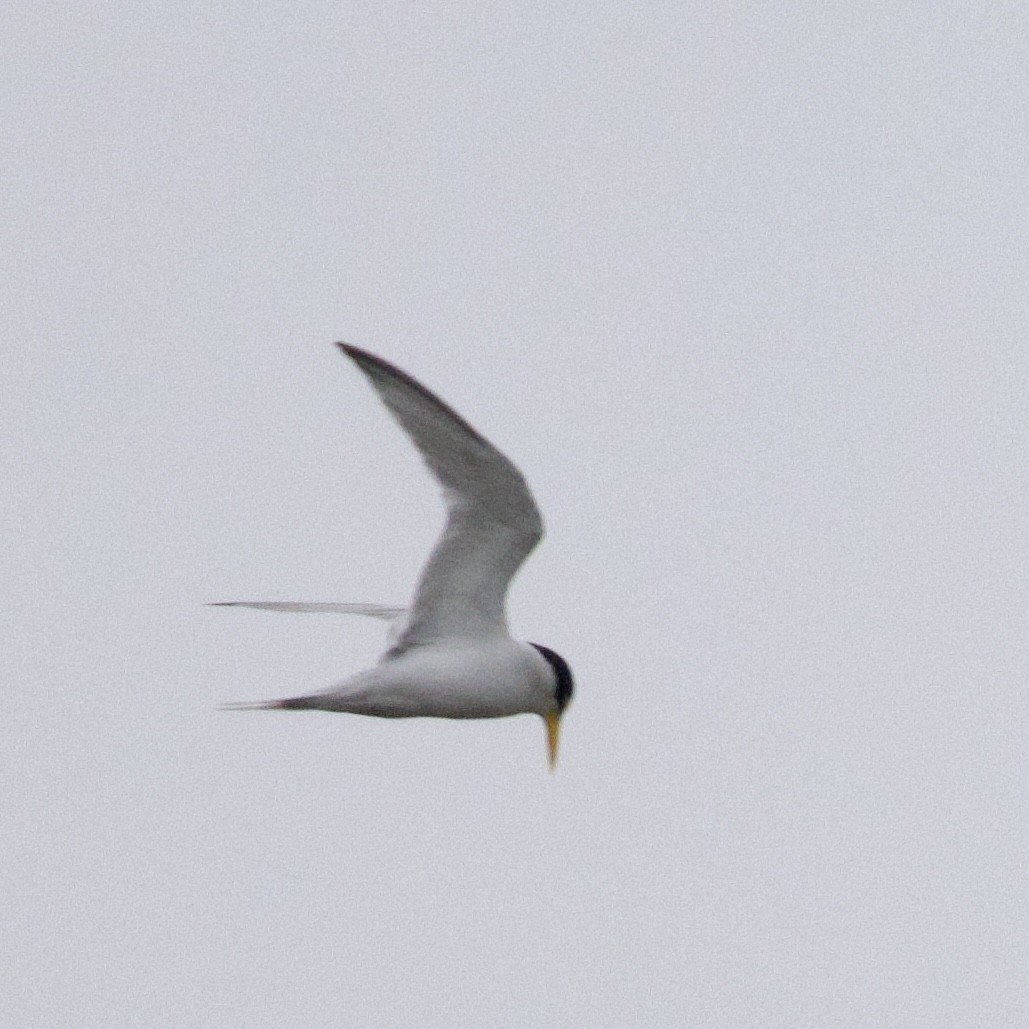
point(368, 362)
point(363, 357)
point(378, 368)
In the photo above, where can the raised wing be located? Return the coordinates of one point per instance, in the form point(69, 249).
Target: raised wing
point(492, 520)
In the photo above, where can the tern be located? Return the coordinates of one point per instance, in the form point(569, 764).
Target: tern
point(450, 654)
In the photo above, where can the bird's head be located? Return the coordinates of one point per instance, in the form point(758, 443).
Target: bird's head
point(563, 686)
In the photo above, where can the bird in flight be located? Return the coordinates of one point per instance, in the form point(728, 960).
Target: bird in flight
point(450, 654)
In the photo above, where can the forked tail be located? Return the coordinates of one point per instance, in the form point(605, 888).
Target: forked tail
point(289, 704)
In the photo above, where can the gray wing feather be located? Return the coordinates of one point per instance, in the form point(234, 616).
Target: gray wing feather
point(317, 607)
point(384, 612)
point(492, 520)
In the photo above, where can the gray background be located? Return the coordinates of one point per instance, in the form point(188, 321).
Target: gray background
point(744, 293)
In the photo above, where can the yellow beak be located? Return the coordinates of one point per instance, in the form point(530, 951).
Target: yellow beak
point(553, 732)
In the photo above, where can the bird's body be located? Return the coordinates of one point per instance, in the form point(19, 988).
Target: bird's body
point(450, 653)
point(480, 679)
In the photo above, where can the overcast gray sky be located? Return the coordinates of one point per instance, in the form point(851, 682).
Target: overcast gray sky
point(741, 290)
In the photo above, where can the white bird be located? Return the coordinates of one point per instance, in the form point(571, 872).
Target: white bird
point(450, 653)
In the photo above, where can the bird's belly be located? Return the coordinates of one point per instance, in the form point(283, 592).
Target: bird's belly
point(443, 684)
